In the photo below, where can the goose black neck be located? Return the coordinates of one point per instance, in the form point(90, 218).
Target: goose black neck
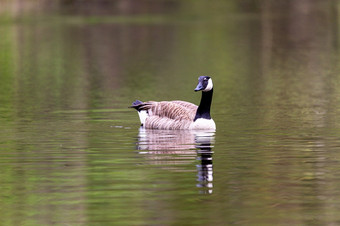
point(203, 110)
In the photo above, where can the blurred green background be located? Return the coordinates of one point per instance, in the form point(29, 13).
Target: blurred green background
point(70, 148)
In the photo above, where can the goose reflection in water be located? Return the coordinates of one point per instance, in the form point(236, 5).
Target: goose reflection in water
point(176, 147)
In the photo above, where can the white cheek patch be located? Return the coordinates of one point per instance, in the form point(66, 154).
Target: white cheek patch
point(209, 86)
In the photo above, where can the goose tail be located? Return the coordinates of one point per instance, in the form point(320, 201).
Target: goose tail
point(136, 105)
point(143, 114)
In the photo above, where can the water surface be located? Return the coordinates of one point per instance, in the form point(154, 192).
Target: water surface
point(73, 153)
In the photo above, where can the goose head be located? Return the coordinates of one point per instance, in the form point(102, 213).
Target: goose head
point(205, 84)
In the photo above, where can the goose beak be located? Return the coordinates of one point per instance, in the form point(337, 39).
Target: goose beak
point(199, 87)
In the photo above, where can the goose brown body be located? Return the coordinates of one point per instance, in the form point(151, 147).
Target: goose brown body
point(168, 114)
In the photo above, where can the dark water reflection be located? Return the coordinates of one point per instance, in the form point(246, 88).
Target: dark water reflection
point(68, 141)
point(172, 148)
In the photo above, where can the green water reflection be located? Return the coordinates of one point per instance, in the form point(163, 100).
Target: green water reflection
point(72, 152)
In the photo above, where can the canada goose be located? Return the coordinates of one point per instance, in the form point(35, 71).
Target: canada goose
point(178, 114)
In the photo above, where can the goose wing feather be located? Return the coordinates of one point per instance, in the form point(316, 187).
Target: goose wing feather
point(167, 114)
point(156, 122)
point(188, 105)
point(177, 110)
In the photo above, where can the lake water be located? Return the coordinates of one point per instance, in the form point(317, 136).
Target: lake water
point(72, 152)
